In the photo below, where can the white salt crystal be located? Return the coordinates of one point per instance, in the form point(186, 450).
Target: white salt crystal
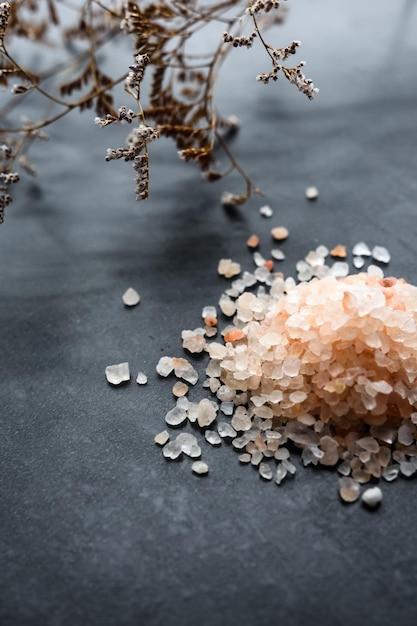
point(227, 306)
point(189, 445)
point(141, 378)
point(227, 408)
point(228, 268)
point(226, 430)
point(265, 471)
point(312, 193)
point(117, 374)
point(381, 254)
point(207, 412)
point(161, 438)
point(209, 311)
point(245, 457)
point(193, 340)
point(374, 270)
point(322, 251)
point(339, 269)
point(241, 421)
point(172, 450)
point(164, 366)
point(184, 369)
point(176, 416)
point(358, 262)
point(277, 254)
point(280, 474)
point(372, 497)
point(391, 472)
point(200, 468)
point(281, 454)
point(212, 437)
point(256, 457)
point(258, 259)
point(361, 249)
point(266, 211)
point(313, 258)
point(405, 435)
point(131, 297)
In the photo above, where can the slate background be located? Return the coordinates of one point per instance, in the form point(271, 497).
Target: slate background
point(96, 528)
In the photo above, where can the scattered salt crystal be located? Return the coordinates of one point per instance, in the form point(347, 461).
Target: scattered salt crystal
point(130, 297)
point(212, 437)
point(265, 471)
point(227, 408)
point(279, 233)
point(381, 254)
point(193, 340)
point(200, 468)
point(227, 306)
point(313, 258)
point(172, 450)
point(358, 262)
point(266, 211)
point(165, 366)
point(281, 454)
point(253, 241)
point(374, 270)
point(312, 193)
point(258, 259)
point(277, 254)
point(184, 369)
point(180, 389)
point(339, 269)
point(256, 457)
point(176, 416)
point(361, 249)
point(322, 250)
point(183, 403)
point(368, 443)
point(405, 435)
point(407, 468)
point(192, 412)
point(209, 311)
point(349, 489)
point(290, 467)
point(241, 421)
point(141, 378)
point(207, 412)
point(189, 445)
point(117, 374)
point(280, 474)
point(339, 251)
point(391, 472)
point(228, 268)
point(245, 457)
point(372, 497)
point(161, 438)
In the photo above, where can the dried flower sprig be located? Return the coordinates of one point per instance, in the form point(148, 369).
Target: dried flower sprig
point(178, 101)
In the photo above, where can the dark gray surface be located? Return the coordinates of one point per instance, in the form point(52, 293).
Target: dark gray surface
point(96, 528)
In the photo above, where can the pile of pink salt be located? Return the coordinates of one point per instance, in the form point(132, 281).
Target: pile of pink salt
point(337, 350)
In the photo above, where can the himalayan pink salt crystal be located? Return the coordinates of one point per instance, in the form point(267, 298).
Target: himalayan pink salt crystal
point(253, 241)
point(207, 412)
point(180, 389)
point(228, 268)
point(161, 438)
point(117, 374)
point(193, 340)
point(184, 369)
point(349, 489)
point(279, 233)
point(165, 366)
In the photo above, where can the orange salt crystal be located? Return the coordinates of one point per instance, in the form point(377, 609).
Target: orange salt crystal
point(339, 251)
point(279, 233)
point(233, 335)
point(253, 241)
point(210, 321)
point(269, 264)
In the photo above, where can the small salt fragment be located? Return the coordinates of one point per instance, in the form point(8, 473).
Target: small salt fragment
point(290, 467)
point(349, 489)
point(369, 444)
point(391, 472)
point(212, 437)
point(358, 262)
point(405, 435)
point(209, 311)
point(227, 306)
point(256, 458)
point(193, 340)
point(372, 497)
point(279, 233)
point(192, 412)
point(131, 297)
point(339, 251)
point(200, 468)
point(374, 270)
point(141, 378)
point(183, 403)
point(253, 241)
point(407, 468)
point(314, 259)
point(228, 268)
point(161, 438)
point(258, 259)
point(381, 254)
point(241, 421)
point(265, 471)
point(189, 445)
point(176, 416)
point(266, 211)
point(117, 374)
point(277, 254)
point(184, 369)
point(227, 408)
point(245, 457)
point(172, 450)
point(384, 433)
point(322, 250)
point(165, 366)
point(280, 474)
point(361, 249)
point(312, 193)
point(180, 389)
point(207, 412)
point(240, 442)
point(281, 454)
point(339, 269)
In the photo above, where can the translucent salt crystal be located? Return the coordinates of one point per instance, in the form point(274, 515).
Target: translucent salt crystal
point(212, 437)
point(227, 305)
point(193, 340)
point(358, 262)
point(200, 468)
point(361, 476)
point(249, 279)
point(176, 416)
point(266, 211)
point(265, 471)
point(281, 454)
point(183, 403)
point(372, 497)
point(184, 369)
point(322, 251)
point(384, 433)
point(344, 468)
point(161, 438)
point(141, 378)
point(179, 389)
point(291, 366)
point(209, 312)
point(241, 421)
point(297, 396)
point(301, 434)
point(280, 233)
point(189, 445)
point(227, 408)
point(207, 412)
point(192, 412)
point(245, 457)
point(361, 249)
point(391, 472)
point(258, 259)
point(240, 442)
point(172, 450)
point(165, 366)
point(130, 297)
point(349, 489)
point(256, 457)
point(308, 457)
point(213, 369)
point(413, 417)
point(405, 435)
point(407, 468)
point(280, 474)
point(210, 331)
point(381, 254)
point(277, 254)
point(225, 394)
point(313, 258)
point(312, 193)
point(305, 275)
point(374, 270)
point(339, 269)
point(290, 467)
point(117, 374)
point(368, 443)
point(228, 268)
